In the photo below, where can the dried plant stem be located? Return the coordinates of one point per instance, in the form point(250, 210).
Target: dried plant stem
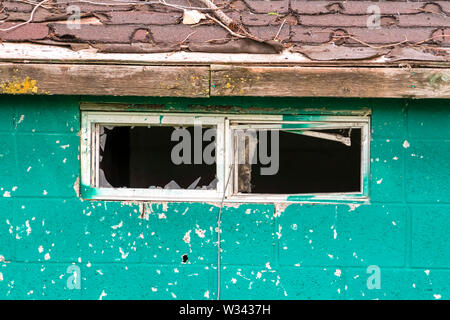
point(225, 27)
point(29, 19)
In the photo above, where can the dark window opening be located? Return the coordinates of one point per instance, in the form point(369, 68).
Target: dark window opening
point(141, 157)
point(308, 164)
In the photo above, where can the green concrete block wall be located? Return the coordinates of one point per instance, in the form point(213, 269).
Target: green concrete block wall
point(303, 251)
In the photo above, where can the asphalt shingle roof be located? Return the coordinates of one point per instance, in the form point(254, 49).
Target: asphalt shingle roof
point(321, 30)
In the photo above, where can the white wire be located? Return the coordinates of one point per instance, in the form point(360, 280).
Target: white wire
point(218, 233)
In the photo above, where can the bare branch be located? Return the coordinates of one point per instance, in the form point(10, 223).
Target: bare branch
point(226, 20)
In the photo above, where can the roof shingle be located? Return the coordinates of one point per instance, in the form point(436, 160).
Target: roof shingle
point(293, 23)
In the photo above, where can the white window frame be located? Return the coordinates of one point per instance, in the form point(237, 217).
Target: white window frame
point(305, 121)
point(225, 164)
point(91, 121)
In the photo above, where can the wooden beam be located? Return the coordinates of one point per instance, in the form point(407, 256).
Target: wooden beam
point(223, 80)
point(114, 80)
point(330, 82)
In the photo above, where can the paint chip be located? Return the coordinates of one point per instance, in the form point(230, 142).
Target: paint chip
point(118, 225)
point(338, 273)
point(406, 144)
point(123, 254)
point(187, 237)
point(103, 294)
point(161, 215)
point(353, 206)
point(21, 119)
point(76, 187)
point(200, 232)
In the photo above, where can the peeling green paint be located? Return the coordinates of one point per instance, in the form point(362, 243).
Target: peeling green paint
point(298, 251)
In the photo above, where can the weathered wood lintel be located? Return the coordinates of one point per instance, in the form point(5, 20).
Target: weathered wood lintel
point(330, 82)
point(224, 80)
point(113, 80)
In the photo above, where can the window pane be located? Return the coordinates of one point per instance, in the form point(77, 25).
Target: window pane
point(141, 157)
point(306, 164)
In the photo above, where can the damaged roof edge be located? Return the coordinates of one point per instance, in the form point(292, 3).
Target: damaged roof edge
point(308, 55)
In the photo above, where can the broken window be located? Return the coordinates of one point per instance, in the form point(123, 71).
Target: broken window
point(283, 160)
point(141, 157)
point(307, 163)
point(147, 156)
